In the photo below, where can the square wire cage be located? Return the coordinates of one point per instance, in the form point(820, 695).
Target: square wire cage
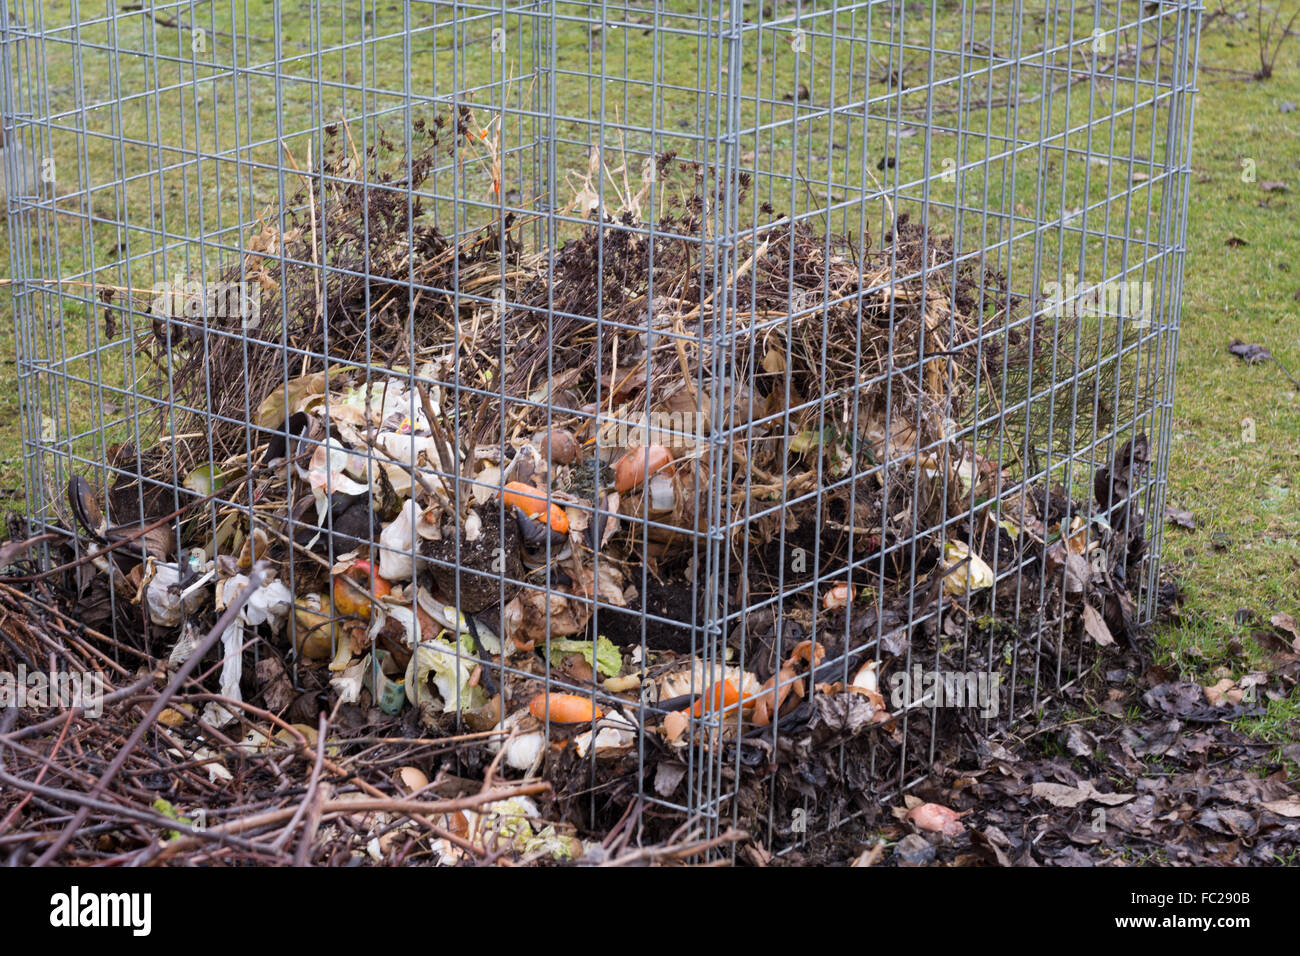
point(827, 346)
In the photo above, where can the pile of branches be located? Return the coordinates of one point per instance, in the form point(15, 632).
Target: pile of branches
point(105, 759)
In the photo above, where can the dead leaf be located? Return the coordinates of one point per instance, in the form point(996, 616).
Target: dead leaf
point(914, 850)
point(1096, 627)
point(1079, 742)
point(296, 395)
point(871, 855)
point(277, 689)
point(1287, 807)
point(1285, 622)
point(1225, 691)
point(668, 775)
point(1250, 353)
point(527, 616)
point(774, 361)
point(992, 841)
point(1184, 700)
point(1060, 795)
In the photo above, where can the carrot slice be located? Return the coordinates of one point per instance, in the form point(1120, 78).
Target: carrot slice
point(564, 709)
point(533, 504)
point(720, 696)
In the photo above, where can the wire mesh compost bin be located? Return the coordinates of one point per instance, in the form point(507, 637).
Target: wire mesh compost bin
point(719, 410)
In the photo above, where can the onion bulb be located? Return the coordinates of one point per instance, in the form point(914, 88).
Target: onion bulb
point(558, 444)
point(631, 470)
point(314, 631)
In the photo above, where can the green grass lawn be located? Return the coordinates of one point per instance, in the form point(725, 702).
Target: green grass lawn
point(1236, 441)
point(1236, 444)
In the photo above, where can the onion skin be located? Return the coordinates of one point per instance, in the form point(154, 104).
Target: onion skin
point(675, 725)
point(631, 470)
point(937, 818)
point(533, 504)
point(564, 709)
point(839, 596)
point(772, 696)
point(559, 444)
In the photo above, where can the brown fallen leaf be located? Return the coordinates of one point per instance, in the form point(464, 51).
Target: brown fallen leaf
point(1060, 795)
point(992, 841)
point(1285, 622)
point(871, 855)
point(529, 613)
point(1225, 691)
point(1287, 807)
point(1096, 627)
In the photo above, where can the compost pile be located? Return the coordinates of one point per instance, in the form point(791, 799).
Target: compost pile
point(438, 570)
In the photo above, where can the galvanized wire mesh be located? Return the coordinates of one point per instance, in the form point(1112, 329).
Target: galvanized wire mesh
point(888, 279)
